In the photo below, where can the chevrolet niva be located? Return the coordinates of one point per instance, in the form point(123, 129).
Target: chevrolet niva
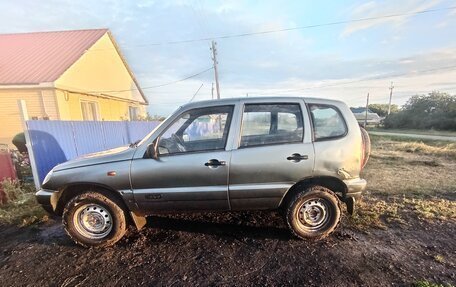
point(302, 156)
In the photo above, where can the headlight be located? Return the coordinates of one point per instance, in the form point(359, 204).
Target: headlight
point(48, 176)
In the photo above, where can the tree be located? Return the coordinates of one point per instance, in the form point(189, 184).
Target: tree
point(433, 111)
point(382, 109)
point(153, 118)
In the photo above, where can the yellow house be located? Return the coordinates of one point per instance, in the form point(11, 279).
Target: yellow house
point(65, 75)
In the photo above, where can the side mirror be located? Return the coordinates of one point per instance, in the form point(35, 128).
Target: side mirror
point(152, 150)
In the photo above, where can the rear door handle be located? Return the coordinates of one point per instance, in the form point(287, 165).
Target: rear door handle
point(215, 163)
point(296, 157)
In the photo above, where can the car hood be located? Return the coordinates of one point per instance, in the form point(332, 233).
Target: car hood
point(107, 156)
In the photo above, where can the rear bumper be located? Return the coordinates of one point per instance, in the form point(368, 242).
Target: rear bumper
point(355, 187)
point(48, 199)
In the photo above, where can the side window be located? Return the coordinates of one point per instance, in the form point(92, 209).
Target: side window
point(206, 127)
point(264, 124)
point(256, 123)
point(287, 121)
point(197, 130)
point(327, 122)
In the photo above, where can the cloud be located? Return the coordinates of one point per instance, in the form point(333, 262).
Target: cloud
point(376, 9)
point(267, 63)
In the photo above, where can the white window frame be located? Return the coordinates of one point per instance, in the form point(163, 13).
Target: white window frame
point(137, 112)
point(97, 109)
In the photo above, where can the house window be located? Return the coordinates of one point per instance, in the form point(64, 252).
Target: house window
point(133, 113)
point(89, 111)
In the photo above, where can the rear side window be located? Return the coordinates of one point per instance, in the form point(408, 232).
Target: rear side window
point(327, 122)
point(264, 124)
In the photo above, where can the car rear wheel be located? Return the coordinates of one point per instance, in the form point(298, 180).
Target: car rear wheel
point(92, 219)
point(313, 213)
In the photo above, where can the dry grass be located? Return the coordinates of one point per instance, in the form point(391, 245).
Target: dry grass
point(408, 178)
point(411, 167)
point(21, 207)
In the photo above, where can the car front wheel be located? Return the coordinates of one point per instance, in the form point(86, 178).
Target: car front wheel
point(92, 219)
point(313, 213)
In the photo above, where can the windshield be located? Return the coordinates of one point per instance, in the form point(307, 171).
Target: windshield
point(157, 127)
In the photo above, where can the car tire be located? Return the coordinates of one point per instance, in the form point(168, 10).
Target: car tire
point(366, 147)
point(93, 219)
point(313, 213)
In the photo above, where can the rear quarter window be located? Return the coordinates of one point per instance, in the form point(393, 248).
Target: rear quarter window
point(327, 122)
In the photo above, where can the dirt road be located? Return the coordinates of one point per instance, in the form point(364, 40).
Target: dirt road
point(231, 249)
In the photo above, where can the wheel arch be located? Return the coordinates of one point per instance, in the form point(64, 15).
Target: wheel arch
point(71, 190)
point(333, 183)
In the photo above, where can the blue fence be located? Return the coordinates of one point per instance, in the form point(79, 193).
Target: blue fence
point(54, 142)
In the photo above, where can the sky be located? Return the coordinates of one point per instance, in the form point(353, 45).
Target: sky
point(417, 52)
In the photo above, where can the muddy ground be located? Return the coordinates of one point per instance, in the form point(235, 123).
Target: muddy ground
point(232, 249)
point(404, 233)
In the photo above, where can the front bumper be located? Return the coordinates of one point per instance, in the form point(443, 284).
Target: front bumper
point(48, 199)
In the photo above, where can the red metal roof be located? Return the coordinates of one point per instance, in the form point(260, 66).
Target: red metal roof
point(32, 58)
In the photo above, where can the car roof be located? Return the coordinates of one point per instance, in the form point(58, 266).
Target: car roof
point(228, 101)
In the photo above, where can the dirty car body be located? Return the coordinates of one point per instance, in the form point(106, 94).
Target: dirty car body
point(224, 155)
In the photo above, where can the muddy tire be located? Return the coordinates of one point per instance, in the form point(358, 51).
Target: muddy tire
point(313, 213)
point(92, 219)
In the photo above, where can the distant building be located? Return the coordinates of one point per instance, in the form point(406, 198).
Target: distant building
point(65, 75)
point(360, 115)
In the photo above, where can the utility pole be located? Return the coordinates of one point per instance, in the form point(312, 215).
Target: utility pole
point(214, 58)
point(212, 91)
point(367, 107)
point(391, 96)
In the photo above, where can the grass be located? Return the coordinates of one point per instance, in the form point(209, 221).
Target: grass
point(408, 178)
point(414, 131)
point(21, 207)
point(439, 258)
point(422, 147)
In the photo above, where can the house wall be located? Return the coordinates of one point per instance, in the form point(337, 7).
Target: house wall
point(40, 103)
point(100, 70)
point(93, 77)
point(108, 109)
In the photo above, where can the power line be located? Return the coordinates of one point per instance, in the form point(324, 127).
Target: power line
point(194, 95)
point(366, 19)
point(357, 81)
point(157, 86)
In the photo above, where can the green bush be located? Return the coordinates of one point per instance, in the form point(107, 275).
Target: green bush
point(434, 111)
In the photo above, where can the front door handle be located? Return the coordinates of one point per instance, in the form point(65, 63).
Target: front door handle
point(215, 163)
point(296, 157)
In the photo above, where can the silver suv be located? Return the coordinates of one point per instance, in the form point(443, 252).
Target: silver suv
point(302, 156)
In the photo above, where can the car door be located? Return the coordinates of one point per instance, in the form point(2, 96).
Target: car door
point(274, 152)
point(190, 171)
